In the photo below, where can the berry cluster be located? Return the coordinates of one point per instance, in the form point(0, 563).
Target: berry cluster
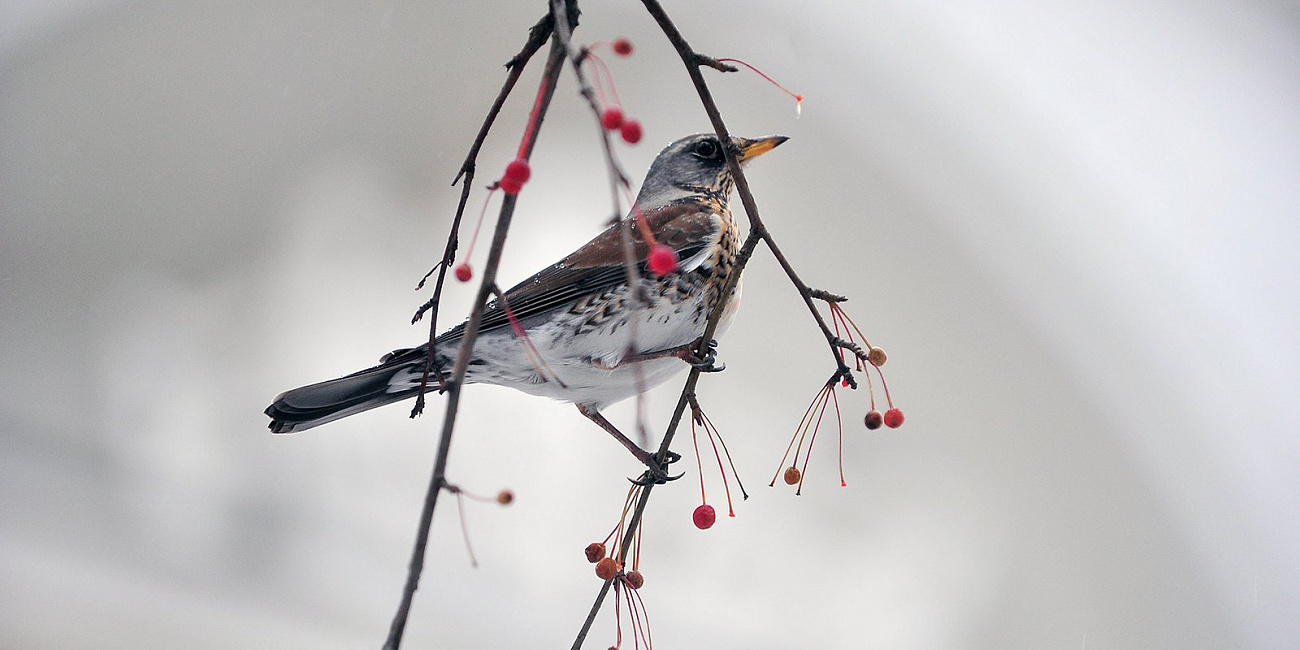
point(612, 117)
point(805, 433)
point(627, 584)
point(875, 358)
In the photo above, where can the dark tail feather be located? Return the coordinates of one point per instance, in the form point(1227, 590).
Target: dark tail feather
point(395, 379)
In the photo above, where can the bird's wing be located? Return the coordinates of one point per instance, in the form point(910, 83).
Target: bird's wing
point(687, 227)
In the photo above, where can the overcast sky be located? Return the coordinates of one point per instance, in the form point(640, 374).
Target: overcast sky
point(1071, 224)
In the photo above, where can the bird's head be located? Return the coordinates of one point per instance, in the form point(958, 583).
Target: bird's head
point(697, 165)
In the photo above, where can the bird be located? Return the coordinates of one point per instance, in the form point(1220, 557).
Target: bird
point(596, 340)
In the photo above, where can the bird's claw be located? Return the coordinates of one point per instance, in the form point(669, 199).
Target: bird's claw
point(707, 362)
point(656, 472)
point(653, 477)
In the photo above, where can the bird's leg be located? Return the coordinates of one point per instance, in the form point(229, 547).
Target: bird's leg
point(656, 467)
point(705, 363)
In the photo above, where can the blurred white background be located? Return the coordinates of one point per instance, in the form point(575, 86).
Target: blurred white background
point(1072, 224)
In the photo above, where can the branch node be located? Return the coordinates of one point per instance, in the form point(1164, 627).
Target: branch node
point(706, 61)
point(820, 294)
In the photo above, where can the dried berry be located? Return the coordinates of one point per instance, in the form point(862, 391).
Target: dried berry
point(877, 357)
point(505, 497)
point(622, 47)
point(792, 475)
point(635, 579)
point(595, 552)
point(874, 419)
point(607, 568)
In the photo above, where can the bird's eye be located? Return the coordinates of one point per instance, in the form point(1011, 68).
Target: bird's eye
point(708, 149)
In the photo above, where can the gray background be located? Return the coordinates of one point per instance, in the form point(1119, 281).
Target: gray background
point(1072, 225)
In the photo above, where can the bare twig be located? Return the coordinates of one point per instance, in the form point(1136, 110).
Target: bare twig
point(537, 35)
point(618, 182)
point(549, 77)
point(757, 232)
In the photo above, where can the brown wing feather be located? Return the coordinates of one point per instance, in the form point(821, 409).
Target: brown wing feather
point(686, 227)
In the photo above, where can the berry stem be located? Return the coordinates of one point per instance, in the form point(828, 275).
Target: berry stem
point(827, 392)
point(726, 488)
point(839, 423)
point(792, 439)
point(699, 464)
point(744, 495)
point(464, 529)
point(798, 99)
point(598, 65)
point(469, 250)
point(534, 355)
point(885, 385)
point(534, 116)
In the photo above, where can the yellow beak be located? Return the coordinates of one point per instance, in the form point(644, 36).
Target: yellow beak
point(750, 149)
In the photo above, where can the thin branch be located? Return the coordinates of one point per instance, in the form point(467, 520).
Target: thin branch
point(549, 78)
point(537, 35)
point(693, 61)
point(618, 181)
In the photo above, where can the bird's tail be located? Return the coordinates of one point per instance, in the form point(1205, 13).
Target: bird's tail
point(396, 378)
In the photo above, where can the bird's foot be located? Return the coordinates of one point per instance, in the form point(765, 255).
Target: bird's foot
point(656, 472)
point(706, 362)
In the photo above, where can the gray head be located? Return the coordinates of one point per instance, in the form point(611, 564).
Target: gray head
point(696, 165)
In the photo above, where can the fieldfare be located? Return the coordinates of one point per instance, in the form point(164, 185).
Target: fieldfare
point(599, 341)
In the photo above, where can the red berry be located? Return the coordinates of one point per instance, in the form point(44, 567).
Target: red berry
point(844, 383)
point(622, 47)
point(704, 516)
point(510, 185)
point(631, 131)
point(463, 273)
point(661, 260)
point(792, 475)
point(505, 497)
point(518, 171)
point(595, 552)
point(874, 419)
point(635, 579)
point(894, 418)
point(611, 118)
point(607, 568)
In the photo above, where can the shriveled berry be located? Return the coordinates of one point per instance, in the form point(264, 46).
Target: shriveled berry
point(631, 131)
point(874, 419)
point(505, 497)
point(595, 552)
point(704, 516)
point(607, 568)
point(464, 273)
point(635, 579)
point(877, 357)
point(611, 118)
point(894, 418)
point(622, 47)
point(662, 260)
point(518, 170)
point(792, 475)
